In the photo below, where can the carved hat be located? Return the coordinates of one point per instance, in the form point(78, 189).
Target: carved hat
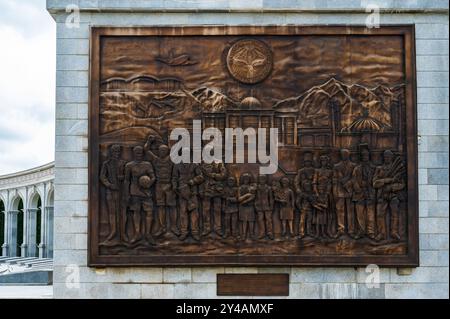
point(138, 148)
point(115, 148)
point(388, 153)
point(308, 157)
point(244, 176)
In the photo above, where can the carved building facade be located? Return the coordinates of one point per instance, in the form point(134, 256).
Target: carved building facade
point(316, 123)
point(26, 212)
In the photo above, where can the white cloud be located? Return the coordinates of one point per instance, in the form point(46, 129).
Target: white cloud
point(27, 85)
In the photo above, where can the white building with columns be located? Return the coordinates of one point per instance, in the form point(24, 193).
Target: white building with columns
point(74, 18)
point(26, 212)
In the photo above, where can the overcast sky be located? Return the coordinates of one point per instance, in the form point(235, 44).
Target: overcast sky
point(27, 85)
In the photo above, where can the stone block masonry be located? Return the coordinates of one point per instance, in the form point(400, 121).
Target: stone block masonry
point(72, 277)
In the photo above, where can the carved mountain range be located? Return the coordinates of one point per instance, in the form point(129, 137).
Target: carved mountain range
point(120, 110)
point(212, 101)
point(353, 102)
point(125, 109)
point(357, 106)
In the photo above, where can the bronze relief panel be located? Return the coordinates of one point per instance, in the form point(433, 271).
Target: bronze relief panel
point(344, 191)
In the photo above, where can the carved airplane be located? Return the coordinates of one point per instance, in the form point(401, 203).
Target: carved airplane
point(176, 60)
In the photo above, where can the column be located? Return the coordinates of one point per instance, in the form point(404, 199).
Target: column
point(46, 245)
point(25, 232)
point(43, 244)
point(49, 227)
point(31, 232)
point(12, 233)
point(5, 245)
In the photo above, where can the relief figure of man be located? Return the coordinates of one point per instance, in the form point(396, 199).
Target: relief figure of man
point(211, 192)
point(139, 178)
point(364, 196)
point(285, 197)
point(322, 184)
point(165, 196)
point(231, 208)
point(303, 179)
point(388, 182)
point(264, 208)
point(247, 206)
point(112, 177)
point(342, 192)
point(185, 180)
point(305, 202)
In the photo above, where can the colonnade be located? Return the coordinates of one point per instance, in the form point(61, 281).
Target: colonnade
point(26, 213)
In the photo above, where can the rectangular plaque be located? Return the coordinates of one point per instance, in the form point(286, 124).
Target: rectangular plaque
point(344, 184)
point(253, 284)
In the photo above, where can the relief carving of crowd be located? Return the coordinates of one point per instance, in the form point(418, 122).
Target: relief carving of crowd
point(149, 197)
